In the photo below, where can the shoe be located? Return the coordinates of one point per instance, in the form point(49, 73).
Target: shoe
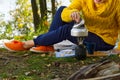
point(42, 49)
point(97, 54)
point(14, 46)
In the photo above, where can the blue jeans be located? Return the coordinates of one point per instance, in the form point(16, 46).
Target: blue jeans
point(95, 43)
point(60, 30)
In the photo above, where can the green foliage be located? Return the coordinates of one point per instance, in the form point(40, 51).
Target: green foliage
point(22, 16)
point(70, 0)
point(21, 23)
point(21, 26)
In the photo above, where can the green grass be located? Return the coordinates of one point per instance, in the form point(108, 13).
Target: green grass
point(34, 66)
point(37, 67)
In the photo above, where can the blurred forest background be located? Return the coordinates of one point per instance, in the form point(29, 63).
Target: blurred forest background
point(29, 18)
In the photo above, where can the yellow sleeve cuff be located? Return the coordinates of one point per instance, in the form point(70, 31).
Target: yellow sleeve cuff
point(66, 14)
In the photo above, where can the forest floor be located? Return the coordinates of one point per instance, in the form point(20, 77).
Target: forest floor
point(27, 65)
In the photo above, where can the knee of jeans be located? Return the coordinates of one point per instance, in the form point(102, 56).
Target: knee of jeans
point(62, 7)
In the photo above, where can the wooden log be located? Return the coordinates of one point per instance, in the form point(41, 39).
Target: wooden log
point(108, 77)
point(90, 71)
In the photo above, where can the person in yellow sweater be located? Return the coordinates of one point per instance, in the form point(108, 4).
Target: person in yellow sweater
point(102, 19)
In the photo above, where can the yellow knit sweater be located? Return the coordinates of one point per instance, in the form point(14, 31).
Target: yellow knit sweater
point(102, 19)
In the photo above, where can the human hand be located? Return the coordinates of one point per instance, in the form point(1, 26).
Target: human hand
point(76, 17)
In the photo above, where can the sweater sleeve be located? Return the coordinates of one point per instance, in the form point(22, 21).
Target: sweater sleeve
point(118, 19)
point(76, 5)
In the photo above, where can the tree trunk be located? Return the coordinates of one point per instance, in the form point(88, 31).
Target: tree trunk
point(36, 18)
point(53, 7)
point(43, 9)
